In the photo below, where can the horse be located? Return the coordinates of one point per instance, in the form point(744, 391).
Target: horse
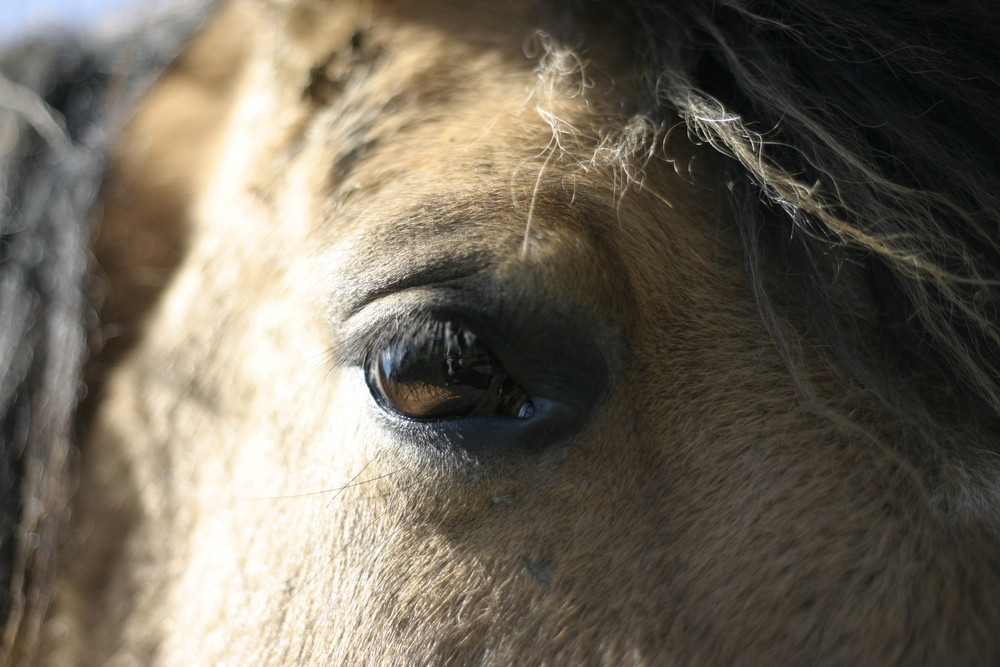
point(521, 332)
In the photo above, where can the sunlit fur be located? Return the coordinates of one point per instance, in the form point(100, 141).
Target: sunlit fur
point(794, 460)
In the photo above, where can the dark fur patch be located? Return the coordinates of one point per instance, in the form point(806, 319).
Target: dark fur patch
point(328, 78)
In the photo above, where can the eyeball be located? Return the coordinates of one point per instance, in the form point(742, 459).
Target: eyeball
point(443, 372)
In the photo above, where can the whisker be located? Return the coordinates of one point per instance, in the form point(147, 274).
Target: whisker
point(336, 491)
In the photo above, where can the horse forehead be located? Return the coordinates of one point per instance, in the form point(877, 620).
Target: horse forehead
point(431, 149)
point(452, 91)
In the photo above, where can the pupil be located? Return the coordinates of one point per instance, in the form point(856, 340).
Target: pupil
point(449, 374)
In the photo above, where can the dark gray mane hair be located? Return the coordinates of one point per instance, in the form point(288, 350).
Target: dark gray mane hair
point(858, 144)
point(62, 97)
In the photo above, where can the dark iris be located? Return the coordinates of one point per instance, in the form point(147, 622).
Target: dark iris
point(446, 373)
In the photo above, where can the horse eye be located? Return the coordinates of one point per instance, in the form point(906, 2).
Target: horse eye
point(447, 373)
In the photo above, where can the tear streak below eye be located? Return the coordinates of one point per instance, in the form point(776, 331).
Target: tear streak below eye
point(444, 373)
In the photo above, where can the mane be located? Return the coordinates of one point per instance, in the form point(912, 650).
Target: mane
point(62, 98)
point(857, 145)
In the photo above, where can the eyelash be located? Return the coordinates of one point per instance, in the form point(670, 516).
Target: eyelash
point(392, 329)
point(399, 332)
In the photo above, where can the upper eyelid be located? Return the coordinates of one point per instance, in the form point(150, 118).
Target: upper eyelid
point(436, 275)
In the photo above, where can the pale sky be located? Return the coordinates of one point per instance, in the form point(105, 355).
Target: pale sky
point(20, 15)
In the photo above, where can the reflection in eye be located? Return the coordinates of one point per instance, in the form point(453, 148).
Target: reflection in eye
point(444, 373)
